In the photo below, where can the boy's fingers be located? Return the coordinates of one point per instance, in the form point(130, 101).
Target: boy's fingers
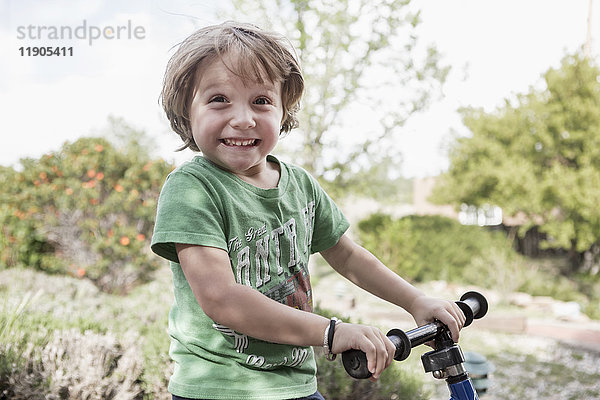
point(391, 351)
point(451, 320)
point(373, 342)
point(454, 319)
point(376, 351)
point(385, 352)
point(459, 317)
point(371, 354)
point(458, 314)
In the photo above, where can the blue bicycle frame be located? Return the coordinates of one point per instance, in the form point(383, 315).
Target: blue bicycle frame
point(462, 390)
point(446, 361)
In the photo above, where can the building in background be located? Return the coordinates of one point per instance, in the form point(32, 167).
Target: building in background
point(486, 215)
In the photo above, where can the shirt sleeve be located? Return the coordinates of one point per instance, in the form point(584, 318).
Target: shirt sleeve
point(330, 223)
point(187, 213)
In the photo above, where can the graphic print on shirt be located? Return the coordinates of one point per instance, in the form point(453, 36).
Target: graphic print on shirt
point(240, 340)
point(297, 358)
point(271, 260)
point(274, 261)
point(295, 291)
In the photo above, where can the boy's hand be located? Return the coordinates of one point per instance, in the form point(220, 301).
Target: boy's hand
point(425, 309)
point(378, 348)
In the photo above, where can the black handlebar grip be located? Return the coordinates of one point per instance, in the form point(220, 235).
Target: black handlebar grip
point(473, 305)
point(355, 361)
point(355, 364)
point(401, 342)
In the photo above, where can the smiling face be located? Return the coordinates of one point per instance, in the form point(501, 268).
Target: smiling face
point(235, 123)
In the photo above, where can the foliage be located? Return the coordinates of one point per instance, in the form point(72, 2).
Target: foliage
point(42, 315)
point(365, 73)
point(105, 370)
point(426, 248)
point(56, 341)
point(422, 248)
point(70, 337)
point(86, 210)
point(539, 160)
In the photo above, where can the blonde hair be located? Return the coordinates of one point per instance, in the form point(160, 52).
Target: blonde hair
point(257, 53)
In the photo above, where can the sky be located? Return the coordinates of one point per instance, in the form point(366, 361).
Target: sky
point(497, 49)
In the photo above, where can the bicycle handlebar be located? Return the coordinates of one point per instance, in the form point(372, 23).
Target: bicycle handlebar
point(473, 305)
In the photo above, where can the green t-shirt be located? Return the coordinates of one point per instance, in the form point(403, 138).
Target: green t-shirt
point(269, 235)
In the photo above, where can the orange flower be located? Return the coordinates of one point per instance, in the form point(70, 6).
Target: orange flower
point(91, 173)
point(80, 272)
point(94, 202)
point(98, 148)
point(118, 188)
point(124, 240)
point(100, 176)
point(140, 237)
point(69, 191)
point(43, 176)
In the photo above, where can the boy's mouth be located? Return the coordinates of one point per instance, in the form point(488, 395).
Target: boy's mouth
point(240, 142)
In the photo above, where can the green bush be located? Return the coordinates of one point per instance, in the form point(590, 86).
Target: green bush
point(422, 248)
point(85, 210)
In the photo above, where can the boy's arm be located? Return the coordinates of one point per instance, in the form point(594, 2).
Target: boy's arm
point(243, 309)
point(364, 269)
point(239, 307)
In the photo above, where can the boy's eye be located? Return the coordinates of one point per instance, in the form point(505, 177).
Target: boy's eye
point(262, 101)
point(218, 99)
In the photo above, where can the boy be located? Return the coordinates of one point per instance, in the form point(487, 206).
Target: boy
point(238, 226)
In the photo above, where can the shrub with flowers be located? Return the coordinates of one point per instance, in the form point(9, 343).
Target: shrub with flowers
point(86, 210)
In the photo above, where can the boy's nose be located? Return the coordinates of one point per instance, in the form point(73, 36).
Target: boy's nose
point(242, 118)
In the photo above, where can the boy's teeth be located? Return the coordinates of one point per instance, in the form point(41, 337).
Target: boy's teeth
point(239, 142)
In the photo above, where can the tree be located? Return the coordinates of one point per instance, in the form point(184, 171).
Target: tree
point(538, 159)
point(365, 74)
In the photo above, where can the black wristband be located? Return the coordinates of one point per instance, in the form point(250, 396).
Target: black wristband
point(330, 333)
